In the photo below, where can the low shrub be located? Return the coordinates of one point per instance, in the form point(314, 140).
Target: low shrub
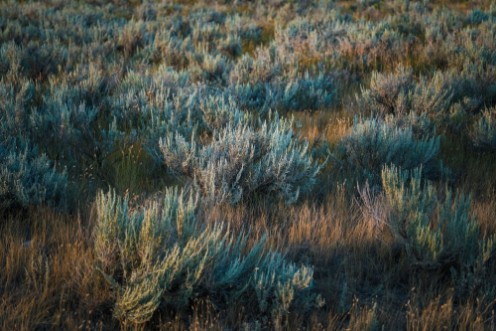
point(162, 255)
point(436, 229)
point(374, 143)
point(399, 93)
point(27, 178)
point(308, 93)
point(242, 162)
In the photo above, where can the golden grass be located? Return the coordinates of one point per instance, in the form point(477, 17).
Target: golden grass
point(330, 125)
point(485, 213)
point(441, 313)
point(48, 277)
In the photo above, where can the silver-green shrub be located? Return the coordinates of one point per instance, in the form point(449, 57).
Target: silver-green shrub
point(261, 83)
point(386, 93)
point(242, 162)
point(261, 97)
point(263, 67)
point(162, 255)
point(219, 110)
point(399, 93)
point(29, 179)
point(308, 93)
point(436, 229)
point(374, 143)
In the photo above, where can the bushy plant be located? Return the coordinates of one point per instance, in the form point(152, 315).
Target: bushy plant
point(476, 16)
point(261, 97)
point(162, 255)
point(422, 126)
point(242, 162)
point(253, 81)
point(219, 110)
point(214, 68)
point(29, 179)
point(483, 132)
point(308, 93)
point(472, 85)
point(374, 143)
point(398, 93)
point(386, 92)
point(436, 229)
point(263, 67)
point(15, 108)
point(369, 46)
point(261, 83)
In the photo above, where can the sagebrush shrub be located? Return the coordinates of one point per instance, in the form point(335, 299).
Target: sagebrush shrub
point(242, 162)
point(399, 93)
point(29, 179)
point(263, 67)
point(214, 68)
point(308, 93)
point(374, 143)
point(261, 83)
point(162, 255)
point(261, 97)
point(219, 110)
point(15, 108)
point(421, 125)
point(437, 229)
point(387, 91)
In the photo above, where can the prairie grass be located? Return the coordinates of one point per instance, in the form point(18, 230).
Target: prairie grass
point(48, 276)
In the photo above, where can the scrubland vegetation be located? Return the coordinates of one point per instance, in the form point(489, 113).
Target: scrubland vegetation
point(239, 165)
